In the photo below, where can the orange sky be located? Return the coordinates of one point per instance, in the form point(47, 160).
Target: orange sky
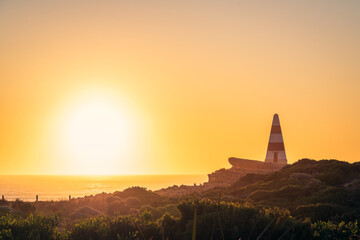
point(195, 81)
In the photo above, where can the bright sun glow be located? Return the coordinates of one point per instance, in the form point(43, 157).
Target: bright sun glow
point(97, 136)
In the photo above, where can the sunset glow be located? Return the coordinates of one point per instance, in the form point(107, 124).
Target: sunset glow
point(173, 119)
point(173, 87)
point(97, 134)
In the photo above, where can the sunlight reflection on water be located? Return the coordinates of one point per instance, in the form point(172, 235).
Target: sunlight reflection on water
point(60, 187)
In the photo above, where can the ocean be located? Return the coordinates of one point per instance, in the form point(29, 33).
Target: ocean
point(55, 187)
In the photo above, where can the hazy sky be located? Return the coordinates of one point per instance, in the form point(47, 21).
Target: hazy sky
point(175, 86)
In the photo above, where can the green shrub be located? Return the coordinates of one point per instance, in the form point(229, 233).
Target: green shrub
point(85, 212)
point(333, 178)
point(24, 208)
point(102, 228)
point(329, 230)
point(233, 221)
point(320, 211)
point(132, 202)
point(116, 207)
point(32, 227)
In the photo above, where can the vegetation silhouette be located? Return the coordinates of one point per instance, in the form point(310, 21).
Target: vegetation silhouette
point(305, 200)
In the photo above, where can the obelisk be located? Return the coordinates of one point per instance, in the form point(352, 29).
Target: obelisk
point(276, 149)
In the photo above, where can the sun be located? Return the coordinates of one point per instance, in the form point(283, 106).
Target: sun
point(97, 135)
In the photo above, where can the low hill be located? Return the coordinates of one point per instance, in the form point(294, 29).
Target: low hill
point(319, 190)
point(306, 200)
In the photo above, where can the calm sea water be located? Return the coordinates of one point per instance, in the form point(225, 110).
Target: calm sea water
point(60, 187)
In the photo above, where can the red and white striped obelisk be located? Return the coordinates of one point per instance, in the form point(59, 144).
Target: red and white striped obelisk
point(276, 150)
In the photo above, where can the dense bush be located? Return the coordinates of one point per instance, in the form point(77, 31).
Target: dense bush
point(4, 210)
point(132, 202)
point(85, 212)
point(329, 230)
point(23, 208)
point(320, 211)
point(116, 207)
point(325, 193)
point(32, 227)
point(222, 220)
point(214, 220)
point(103, 228)
point(326, 190)
point(142, 195)
point(249, 178)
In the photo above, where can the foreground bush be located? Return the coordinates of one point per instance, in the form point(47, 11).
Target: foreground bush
point(234, 221)
point(103, 228)
point(31, 227)
point(214, 220)
point(329, 230)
